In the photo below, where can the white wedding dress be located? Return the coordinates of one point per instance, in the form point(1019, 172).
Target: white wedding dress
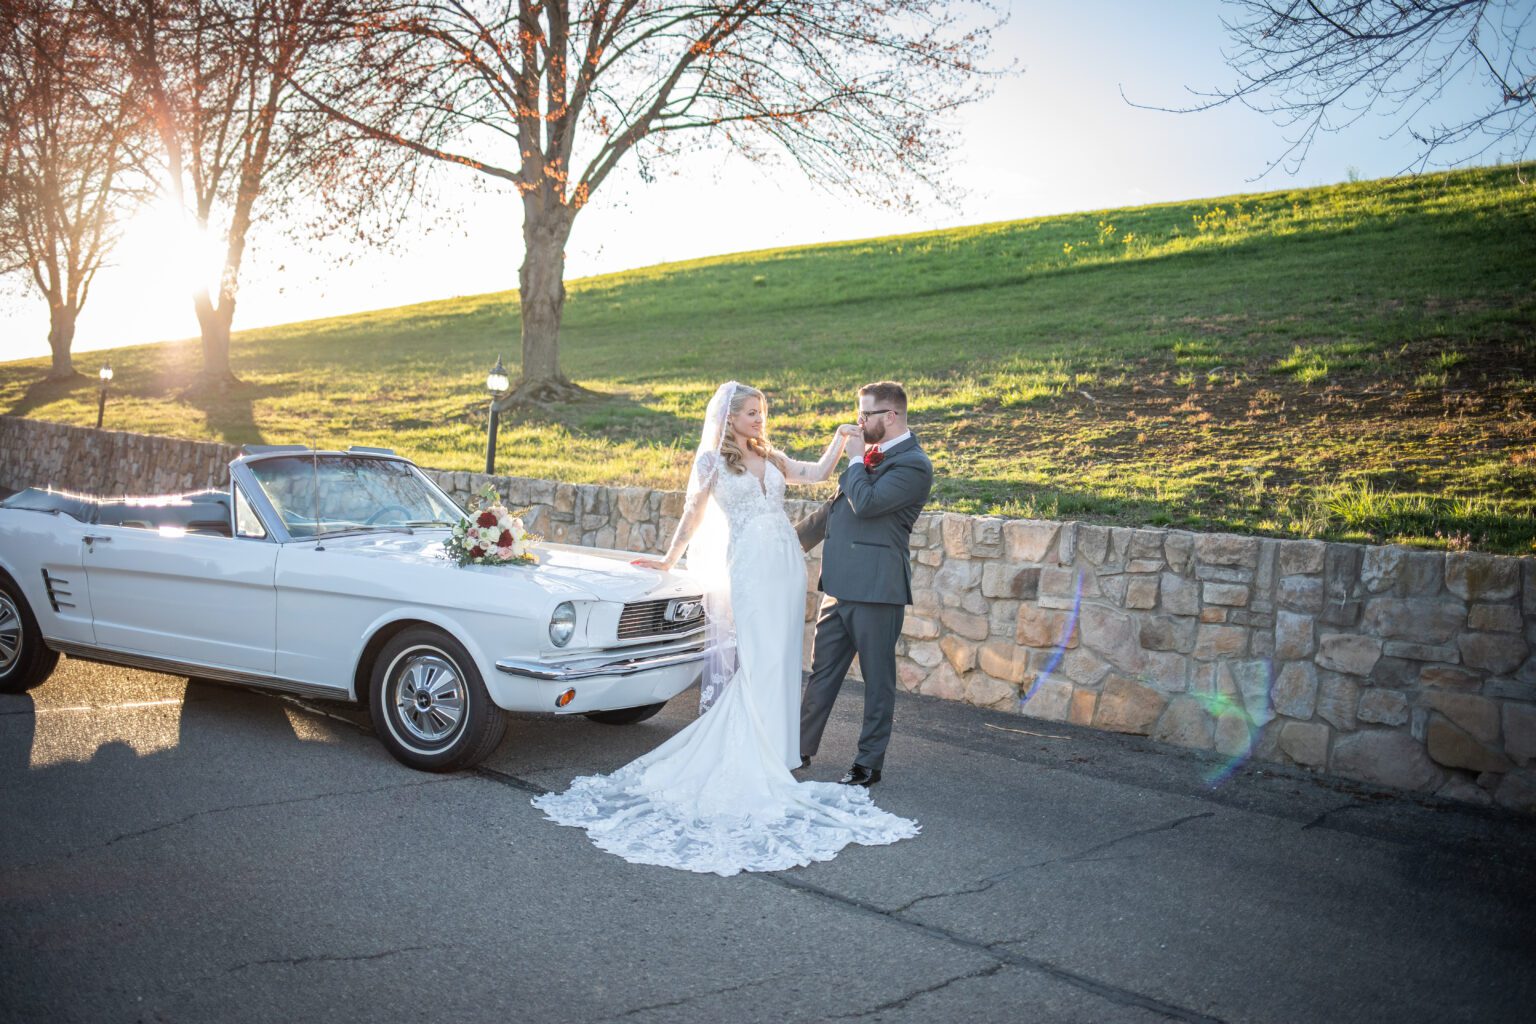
point(718, 796)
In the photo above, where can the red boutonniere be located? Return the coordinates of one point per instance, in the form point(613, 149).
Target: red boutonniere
point(873, 456)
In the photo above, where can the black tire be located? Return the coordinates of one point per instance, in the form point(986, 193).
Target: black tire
point(25, 660)
point(626, 716)
point(450, 724)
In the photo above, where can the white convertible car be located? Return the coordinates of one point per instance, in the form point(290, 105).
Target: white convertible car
point(322, 573)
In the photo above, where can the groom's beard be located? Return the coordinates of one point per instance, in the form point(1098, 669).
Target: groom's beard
point(874, 434)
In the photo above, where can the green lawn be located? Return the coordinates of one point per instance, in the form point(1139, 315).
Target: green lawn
point(1356, 361)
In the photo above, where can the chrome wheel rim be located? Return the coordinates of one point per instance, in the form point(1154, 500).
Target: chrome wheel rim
point(10, 633)
point(429, 697)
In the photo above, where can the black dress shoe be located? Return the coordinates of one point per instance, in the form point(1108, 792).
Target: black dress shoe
point(858, 775)
point(805, 762)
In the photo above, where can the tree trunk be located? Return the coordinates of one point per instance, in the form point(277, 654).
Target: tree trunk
point(214, 322)
point(61, 335)
point(541, 294)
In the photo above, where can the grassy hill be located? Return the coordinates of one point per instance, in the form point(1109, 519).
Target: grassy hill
point(1352, 361)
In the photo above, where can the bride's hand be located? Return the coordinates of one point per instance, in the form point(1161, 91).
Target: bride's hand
point(848, 433)
point(651, 563)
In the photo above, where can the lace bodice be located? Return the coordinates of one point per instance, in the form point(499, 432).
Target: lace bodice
point(741, 496)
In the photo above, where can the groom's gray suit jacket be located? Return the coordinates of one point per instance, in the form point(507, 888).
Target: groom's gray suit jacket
point(867, 527)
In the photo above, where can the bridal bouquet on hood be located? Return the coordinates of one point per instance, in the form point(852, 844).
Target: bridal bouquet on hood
point(492, 535)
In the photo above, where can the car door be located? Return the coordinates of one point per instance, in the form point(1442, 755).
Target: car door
point(191, 598)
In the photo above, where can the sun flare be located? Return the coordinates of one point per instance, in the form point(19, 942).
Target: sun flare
point(164, 245)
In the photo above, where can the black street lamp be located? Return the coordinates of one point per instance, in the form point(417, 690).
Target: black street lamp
point(496, 383)
point(105, 375)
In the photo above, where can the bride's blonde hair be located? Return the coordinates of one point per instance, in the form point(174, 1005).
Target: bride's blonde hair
point(731, 451)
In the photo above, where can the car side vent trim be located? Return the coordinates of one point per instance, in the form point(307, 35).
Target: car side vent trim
point(55, 588)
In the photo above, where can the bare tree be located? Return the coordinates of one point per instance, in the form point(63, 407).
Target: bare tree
point(67, 136)
point(220, 83)
point(1321, 65)
point(549, 97)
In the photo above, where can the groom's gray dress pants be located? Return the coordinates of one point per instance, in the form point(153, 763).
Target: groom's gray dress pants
point(843, 629)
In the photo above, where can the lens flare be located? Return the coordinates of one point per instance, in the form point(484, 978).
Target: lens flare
point(1061, 645)
point(1240, 714)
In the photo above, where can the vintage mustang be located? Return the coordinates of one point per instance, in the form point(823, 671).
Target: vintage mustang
point(322, 573)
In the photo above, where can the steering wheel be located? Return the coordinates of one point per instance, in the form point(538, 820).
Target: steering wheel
point(387, 508)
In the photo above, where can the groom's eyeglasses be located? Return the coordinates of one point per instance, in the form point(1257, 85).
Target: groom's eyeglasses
point(872, 413)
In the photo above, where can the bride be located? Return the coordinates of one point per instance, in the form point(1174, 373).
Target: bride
point(718, 796)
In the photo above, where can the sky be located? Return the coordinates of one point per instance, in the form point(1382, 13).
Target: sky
point(1056, 136)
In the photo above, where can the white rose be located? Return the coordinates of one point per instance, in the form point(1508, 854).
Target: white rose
point(519, 548)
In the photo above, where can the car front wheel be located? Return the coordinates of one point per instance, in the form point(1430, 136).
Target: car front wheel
point(429, 705)
point(25, 660)
point(626, 716)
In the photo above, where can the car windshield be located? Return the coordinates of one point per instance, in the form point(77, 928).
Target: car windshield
point(354, 493)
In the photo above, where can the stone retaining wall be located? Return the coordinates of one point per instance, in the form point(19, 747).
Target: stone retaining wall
point(1407, 668)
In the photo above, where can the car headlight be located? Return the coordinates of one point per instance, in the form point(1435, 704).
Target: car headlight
point(562, 624)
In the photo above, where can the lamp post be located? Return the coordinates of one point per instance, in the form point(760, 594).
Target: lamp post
point(497, 384)
point(105, 376)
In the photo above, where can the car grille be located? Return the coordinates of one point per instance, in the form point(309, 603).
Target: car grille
point(649, 618)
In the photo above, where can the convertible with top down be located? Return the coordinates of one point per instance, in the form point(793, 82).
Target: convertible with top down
point(322, 573)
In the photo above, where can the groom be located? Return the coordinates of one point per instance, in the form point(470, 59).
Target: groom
point(866, 575)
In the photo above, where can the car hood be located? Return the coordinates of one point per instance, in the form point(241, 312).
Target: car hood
point(563, 569)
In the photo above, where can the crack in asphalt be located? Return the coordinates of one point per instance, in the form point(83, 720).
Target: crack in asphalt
point(980, 885)
point(985, 972)
point(1315, 822)
point(1167, 826)
point(1103, 990)
point(508, 779)
point(983, 884)
point(288, 698)
point(689, 999)
point(325, 958)
point(273, 803)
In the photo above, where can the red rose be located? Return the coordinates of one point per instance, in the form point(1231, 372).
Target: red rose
point(505, 540)
point(486, 518)
point(873, 456)
point(477, 552)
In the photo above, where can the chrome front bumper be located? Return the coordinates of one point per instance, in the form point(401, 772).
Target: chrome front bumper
point(600, 667)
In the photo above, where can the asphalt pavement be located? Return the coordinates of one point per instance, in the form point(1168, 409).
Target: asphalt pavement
point(184, 851)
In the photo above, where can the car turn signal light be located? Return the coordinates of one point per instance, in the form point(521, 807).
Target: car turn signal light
point(565, 698)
